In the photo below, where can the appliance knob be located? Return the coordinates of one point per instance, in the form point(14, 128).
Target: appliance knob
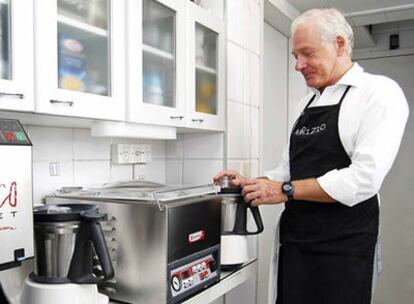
point(176, 283)
point(213, 265)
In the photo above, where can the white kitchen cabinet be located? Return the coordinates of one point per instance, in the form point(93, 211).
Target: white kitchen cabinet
point(205, 69)
point(175, 68)
point(16, 55)
point(80, 58)
point(156, 52)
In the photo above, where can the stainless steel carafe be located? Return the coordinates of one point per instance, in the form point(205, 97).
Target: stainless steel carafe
point(234, 233)
point(234, 211)
point(67, 237)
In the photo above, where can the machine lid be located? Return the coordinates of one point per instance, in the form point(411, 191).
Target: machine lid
point(63, 213)
point(147, 192)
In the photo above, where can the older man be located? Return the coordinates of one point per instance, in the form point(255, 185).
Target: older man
point(345, 139)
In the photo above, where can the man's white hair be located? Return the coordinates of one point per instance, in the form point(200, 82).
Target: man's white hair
point(331, 24)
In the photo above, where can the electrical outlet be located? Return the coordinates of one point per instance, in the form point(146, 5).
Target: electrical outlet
point(130, 154)
point(120, 154)
point(139, 172)
point(141, 154)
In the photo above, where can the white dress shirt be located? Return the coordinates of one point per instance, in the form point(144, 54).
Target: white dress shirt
point(371, 124)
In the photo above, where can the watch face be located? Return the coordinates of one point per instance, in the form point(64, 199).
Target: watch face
point(287, 187)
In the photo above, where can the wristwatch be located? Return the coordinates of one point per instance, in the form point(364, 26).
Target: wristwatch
point(289, 189)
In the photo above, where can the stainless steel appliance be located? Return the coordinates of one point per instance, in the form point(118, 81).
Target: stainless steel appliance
point(234, 224)
point(16, 220)
point(67, 239)
point(164, 241)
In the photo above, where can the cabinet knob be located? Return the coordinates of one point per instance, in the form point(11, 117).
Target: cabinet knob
point(19, 95)
point(62, 102)
point(177, 117)
point(198, 120)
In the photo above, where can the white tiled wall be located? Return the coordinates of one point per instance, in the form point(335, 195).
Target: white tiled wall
point(244, 99)
point(193, 159)
point(244, 79)
point(83, 160)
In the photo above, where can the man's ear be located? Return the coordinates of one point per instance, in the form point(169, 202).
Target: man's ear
point(340, 45)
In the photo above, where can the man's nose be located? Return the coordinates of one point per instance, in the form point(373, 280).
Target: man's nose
point(300, 63)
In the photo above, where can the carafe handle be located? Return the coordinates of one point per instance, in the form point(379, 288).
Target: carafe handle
point(257, 219)
point(98, 239)
point(240, 226)
point(91, 234)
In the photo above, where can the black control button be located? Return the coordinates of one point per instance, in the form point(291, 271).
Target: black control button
point(213, 265)
point(176, 283)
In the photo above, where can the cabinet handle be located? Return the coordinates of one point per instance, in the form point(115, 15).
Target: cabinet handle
point(19, 95)
point(177, 117)
point(198, 120)
point(62, 102)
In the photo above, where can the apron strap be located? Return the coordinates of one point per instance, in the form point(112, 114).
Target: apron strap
point(343, 95)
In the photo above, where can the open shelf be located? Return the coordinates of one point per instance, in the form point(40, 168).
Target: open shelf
point(206, 69)
point(157, 52)
point(82, 26)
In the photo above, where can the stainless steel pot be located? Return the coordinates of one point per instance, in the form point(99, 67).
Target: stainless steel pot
point(55, 245)
point(67, 237)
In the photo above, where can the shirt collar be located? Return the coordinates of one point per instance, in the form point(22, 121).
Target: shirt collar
point(352, 77)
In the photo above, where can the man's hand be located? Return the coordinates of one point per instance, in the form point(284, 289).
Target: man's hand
point(236, 179)
point(263, 191)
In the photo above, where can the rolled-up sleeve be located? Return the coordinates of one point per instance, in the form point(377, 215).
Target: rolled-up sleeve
point(376, 145)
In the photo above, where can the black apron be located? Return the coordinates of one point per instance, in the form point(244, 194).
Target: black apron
point(326, 249)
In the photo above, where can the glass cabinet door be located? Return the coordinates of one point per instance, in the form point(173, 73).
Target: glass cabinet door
point(16, 55)
point(159, 59)
point(5, 45)
point(84, 46)
point(80, 58)
point(206, 85)
point(206, 70)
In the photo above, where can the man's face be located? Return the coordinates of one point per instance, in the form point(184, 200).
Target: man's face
point(316, 60)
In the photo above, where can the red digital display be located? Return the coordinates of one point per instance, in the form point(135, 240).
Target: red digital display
point(185, 274)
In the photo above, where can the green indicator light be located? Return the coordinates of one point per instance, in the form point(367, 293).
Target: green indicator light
point(20, 136)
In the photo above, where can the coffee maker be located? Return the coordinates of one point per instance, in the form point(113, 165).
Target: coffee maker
point(71, 256)
point(16, 218)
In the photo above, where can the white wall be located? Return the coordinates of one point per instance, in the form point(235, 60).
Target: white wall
point(274, 126)
point(244, 98)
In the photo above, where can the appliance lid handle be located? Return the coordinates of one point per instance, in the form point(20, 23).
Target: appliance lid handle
point(174, 193)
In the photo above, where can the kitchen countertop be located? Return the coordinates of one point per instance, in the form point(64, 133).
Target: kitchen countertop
point(228, 281)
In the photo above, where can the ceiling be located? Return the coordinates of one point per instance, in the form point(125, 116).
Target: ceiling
point(359, 13)
point(363, 12)
point(349, 6)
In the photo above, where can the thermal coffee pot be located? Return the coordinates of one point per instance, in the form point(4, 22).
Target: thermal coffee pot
point(234, 224)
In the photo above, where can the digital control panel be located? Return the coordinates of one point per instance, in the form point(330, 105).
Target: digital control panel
point(192, 274)
point(12, 133)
